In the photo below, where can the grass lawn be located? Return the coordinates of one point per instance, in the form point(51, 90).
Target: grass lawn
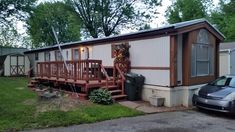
point(15, 114)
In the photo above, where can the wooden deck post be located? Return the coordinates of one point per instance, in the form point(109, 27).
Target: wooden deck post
point(41, 70)
point(65, 72)
point(49, 67)
point(87, 71)
point(75, 71)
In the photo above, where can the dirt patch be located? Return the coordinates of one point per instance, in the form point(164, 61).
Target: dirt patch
point(60, 103)
point(30, 102)
point(64, 103)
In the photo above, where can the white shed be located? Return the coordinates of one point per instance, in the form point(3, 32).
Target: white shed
point(14, 65)
point(227, 58)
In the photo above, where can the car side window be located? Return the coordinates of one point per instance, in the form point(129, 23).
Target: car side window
point(221, 82)
point(232, 83)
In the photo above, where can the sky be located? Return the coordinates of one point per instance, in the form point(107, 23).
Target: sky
point(158, 22)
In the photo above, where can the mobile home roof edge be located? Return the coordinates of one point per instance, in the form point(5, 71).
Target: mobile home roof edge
point(145, 33)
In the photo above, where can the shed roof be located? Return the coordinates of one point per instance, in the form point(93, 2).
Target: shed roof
point(164, 31)
point(8, 50)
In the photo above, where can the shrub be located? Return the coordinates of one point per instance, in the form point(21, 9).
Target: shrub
point(101, 96)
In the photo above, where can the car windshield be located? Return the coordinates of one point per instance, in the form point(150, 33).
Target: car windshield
point(224, 81)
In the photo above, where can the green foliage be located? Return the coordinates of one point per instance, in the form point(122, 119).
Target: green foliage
point(18, 109)
point(58, 15)
point(107, 17)
point(14, 9)
point(145, 27)
point(224, 19)
point(184, 10)
point(101, 96)
point(8, 36)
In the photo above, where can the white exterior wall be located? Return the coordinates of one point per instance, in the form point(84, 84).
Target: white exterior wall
point(26, 64)
point(143, 53)
point(52, 55)
point(103, 52)
point(41, 57)
point(232, 62)
point(177, 96)
point(152, 53)
point(224, 63)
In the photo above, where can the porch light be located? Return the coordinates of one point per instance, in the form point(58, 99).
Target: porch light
point(82, 49)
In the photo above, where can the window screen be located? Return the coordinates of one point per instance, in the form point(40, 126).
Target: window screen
point(202, 62)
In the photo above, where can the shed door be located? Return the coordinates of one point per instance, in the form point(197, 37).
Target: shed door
point(17, 67)
point(232, 62)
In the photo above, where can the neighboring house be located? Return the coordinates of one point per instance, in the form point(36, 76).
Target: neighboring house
point(14, 64)
point(227, 58)
point(174, 59)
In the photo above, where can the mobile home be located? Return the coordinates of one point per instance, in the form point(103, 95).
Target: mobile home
point(175, 59)
point(227, 58)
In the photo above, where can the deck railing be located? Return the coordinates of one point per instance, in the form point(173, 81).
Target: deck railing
point(117, 73)
point(76, 70)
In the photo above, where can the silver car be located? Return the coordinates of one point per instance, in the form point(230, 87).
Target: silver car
point(218, 95)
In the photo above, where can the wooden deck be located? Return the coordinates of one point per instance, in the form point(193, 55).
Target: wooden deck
point(84, 74)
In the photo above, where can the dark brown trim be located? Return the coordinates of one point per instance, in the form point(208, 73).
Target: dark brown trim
point(149, 68)
point(217, 60)
point(201, 80)
point(200, 26)
point(173, 61)
point(186, 58)
point(187, 50)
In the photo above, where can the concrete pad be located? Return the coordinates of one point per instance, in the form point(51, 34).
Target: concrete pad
point(147, 108)
point(129, 104)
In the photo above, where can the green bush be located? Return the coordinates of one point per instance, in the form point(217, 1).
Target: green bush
point(101, 96)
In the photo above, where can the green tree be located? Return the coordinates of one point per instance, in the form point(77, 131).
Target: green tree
point(224, 18)
point(107, 17)
point(57, 15)
point(9, 37)
point(145, 27)
point(184, 10)
point(14, 9)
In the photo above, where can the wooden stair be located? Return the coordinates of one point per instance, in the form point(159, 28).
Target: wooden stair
point(116, 92)
point(32, 83)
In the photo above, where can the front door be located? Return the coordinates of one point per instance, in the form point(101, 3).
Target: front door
point(17, 67)
point(76, 54)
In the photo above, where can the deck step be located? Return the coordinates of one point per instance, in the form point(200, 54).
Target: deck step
point(33, 81)
point(82, 96)
point(119, 97)
point(115, 91)
point(30, 85)
point(110, 87)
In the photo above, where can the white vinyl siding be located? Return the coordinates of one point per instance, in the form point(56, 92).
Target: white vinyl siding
point(150, 52)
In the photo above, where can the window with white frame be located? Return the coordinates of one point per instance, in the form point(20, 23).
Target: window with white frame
point(202, 59)
point(76, 54)
point(58, 56)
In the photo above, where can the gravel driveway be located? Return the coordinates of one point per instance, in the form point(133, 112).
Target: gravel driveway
point(183, 121)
